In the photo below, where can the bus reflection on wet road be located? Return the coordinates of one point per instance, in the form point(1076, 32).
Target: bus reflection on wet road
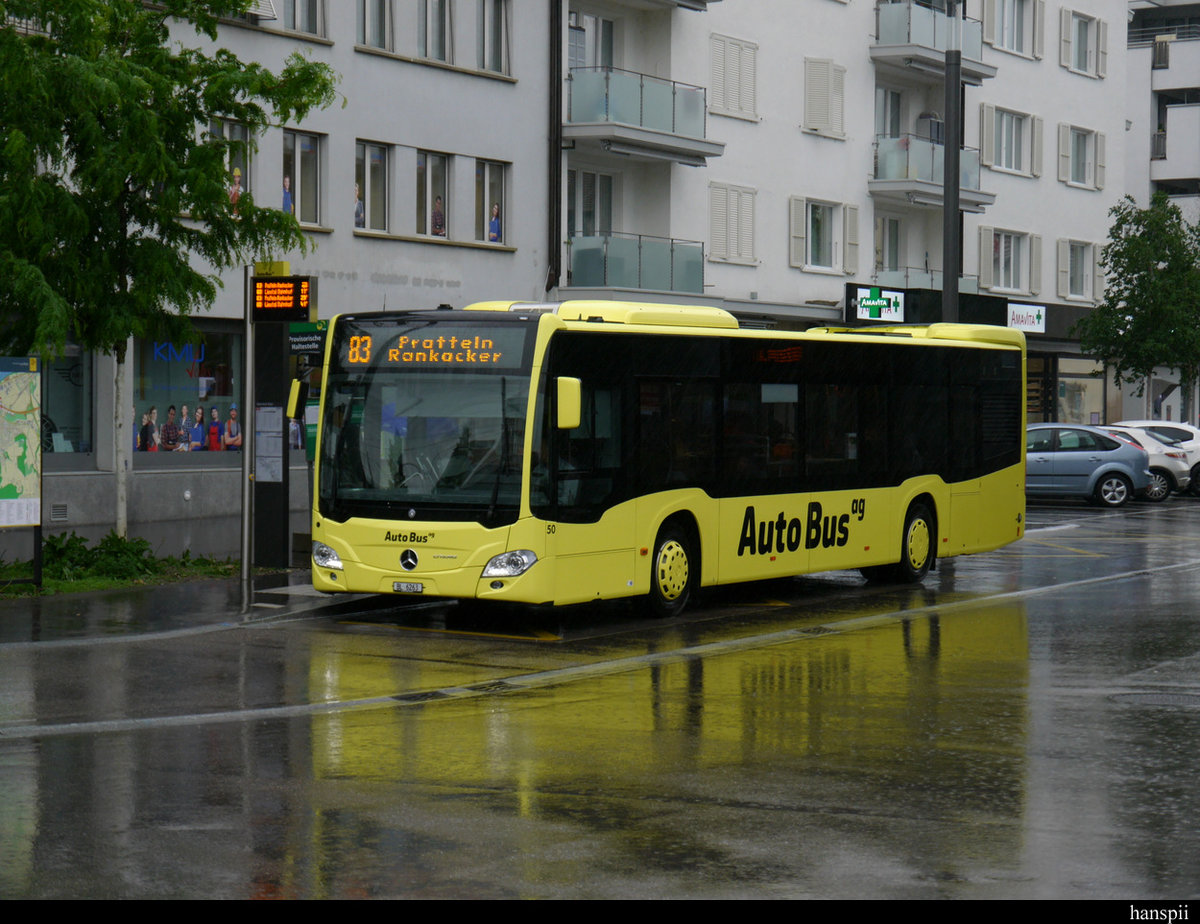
point(1022, 725)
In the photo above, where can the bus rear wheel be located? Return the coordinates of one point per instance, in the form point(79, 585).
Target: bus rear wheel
point(917, 545)
point(674, 572)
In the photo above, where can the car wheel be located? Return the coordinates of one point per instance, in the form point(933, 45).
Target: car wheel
point(917, 545)
point(1113, 490)
point(1194, 485)
point(1161, 486)
point(674, 572)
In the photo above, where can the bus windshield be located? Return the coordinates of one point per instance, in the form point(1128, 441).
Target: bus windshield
point(445, 443)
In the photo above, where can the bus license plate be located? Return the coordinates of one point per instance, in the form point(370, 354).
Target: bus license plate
point(401, 587)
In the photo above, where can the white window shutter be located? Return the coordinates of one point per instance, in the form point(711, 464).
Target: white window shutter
point(745, 224)
point(989, 21)
point(850, 236)
point(1102, 48)
point(748, 70)
point(816, 94)
point(1039, 28)
point(1035, 264)
point(1064, 267)
point(718, 221)
point(987, 254)
point(987, 134)
point(796, 227)
point(1099, 160)
point(1035, 160)
point(1064, 40)
point(1097, 275)
point(716, 85)
point(837, 100)
point(1064, 152)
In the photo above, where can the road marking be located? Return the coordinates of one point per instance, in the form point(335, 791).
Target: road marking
point(557, 676)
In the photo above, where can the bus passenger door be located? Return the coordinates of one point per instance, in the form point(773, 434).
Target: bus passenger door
point(590, 521)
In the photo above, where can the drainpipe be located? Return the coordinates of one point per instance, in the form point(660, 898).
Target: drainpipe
point(554, 167)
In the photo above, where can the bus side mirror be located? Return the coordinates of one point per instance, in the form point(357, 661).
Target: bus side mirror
point(570, 402)
point(297, 398)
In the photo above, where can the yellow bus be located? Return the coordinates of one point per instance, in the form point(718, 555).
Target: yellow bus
point(589, 450)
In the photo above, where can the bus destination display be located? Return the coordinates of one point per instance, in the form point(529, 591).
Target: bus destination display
point(444, 347)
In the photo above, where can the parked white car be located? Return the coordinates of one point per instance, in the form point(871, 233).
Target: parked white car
point(1170, 469)
point(1179, 436)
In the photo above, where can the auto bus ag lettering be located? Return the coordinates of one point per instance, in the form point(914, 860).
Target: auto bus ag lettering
point(784, 534)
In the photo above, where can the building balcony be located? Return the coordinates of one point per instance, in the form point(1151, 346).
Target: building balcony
point(636, 261)
point(910, 170)
point(914, 277)
point(913, 38)
point(1179, 145)
point(1176, 63)
point(646, 118)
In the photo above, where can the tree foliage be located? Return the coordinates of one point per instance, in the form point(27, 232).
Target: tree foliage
point(1150, 316)
point(115, 216)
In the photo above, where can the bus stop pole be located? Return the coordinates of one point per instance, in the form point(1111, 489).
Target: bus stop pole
point(247, 435)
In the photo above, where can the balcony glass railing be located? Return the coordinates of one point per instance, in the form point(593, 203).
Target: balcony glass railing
point(914, 24)
point(911, 158)
point(607, 94)
point(913, 277)
point(637, 261)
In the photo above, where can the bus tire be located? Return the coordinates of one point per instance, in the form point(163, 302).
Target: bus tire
point(674, 571)
point(917, 545)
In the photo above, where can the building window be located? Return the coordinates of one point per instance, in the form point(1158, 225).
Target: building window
point(237, 138)
point(304, 16)
point(1010, 140)
point(823, 236)
point(589, 41)
point(1012, 24)
point(302, 176)
point(824, 97)
point(433, 214)
point(589, 203)
point(489, 202)
point(731, 223)
point(887, 113)
point(1006, 260)
point(1077, 270)
point(374, 23)
point(205, 376)
point(1080, 157)
point(493, 35)
point(1083, 43)
point(434, 34)
point(888, 245)
point(67, 402)
point(370, 186)
point(1010, 260)
point(734, 76)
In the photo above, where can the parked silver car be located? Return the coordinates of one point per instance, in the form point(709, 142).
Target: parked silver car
point(1169, 468)
point(1071, 460)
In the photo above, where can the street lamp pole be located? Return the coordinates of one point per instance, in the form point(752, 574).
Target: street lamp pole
point(951, 226)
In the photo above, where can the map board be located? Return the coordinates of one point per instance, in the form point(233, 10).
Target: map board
point(20, 441)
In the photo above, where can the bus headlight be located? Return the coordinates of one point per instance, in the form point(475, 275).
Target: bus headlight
point(510, 564)
point(325, 557)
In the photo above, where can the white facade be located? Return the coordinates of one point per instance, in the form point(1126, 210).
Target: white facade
point(830, 116)
point(437, 99)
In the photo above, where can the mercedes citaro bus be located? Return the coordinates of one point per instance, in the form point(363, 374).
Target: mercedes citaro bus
point(561, 453)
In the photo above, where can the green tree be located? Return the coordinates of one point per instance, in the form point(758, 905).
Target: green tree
point(1150, 315)
point(115, 213)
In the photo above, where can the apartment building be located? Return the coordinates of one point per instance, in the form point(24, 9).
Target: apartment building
point(1163, 143)
point(425, 184)
point(814, 172)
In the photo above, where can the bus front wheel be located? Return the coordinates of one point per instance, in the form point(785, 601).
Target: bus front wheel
point(917, 545)
point(674, 572)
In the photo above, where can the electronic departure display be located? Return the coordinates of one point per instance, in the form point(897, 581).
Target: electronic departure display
point(282, 298)
point(438, 346)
